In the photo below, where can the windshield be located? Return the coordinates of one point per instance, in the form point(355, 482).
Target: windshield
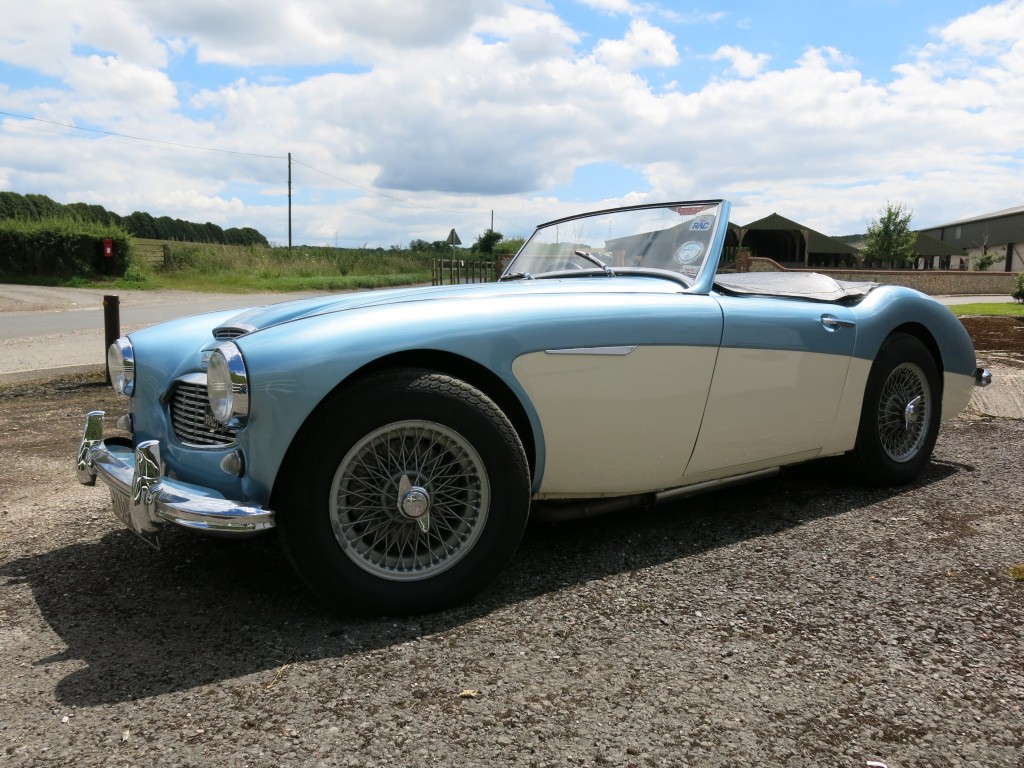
point(677, 237)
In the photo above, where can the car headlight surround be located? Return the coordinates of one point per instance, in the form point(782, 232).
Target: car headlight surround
point(121, 366)
point(227, 385)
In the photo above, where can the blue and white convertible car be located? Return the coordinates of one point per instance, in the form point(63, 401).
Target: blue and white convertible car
point(399, 440)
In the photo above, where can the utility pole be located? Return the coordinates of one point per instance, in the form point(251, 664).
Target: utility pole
point(289, 201)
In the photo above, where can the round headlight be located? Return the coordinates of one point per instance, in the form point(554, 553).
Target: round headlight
point(121, 366)
point(227, 385)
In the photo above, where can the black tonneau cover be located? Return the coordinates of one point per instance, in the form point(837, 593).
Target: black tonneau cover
point(792, 285)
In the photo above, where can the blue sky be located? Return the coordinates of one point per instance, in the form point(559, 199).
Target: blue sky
point(405, 120)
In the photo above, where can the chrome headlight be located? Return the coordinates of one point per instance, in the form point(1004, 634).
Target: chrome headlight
point(121, 366)
point(227, 385)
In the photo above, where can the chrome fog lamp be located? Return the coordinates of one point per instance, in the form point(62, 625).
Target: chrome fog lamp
point(227, 385)
point(121, 366)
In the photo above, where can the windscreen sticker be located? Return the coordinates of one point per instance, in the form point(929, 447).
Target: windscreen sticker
point(701, 224)
point(689, 210)
point(689, 252)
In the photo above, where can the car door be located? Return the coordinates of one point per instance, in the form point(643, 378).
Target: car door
point(777, 384)
point(620, 408)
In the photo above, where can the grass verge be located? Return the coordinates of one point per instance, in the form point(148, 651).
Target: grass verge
point(1000, 310)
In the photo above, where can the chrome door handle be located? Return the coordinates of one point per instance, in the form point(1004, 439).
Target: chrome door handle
point(831, 323)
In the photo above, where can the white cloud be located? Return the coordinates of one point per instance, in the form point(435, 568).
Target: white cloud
point(530, 35)
point(107, 81)
point(743, 63)
point(691, 17)
point(644, 45)
point(49, 35)
point(314, 32)
point(611, 6)
point(993, 25)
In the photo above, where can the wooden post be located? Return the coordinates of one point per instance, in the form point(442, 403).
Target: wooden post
point(111, 325)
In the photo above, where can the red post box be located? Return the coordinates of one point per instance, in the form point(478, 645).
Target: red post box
point(108, 248)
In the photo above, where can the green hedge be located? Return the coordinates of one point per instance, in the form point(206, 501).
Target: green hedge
point(62, 248)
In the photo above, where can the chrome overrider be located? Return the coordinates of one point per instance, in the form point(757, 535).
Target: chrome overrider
point(151, 499)
point(982, 377)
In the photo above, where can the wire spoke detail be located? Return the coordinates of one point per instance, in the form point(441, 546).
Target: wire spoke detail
point(409, 500)
point(904, 412)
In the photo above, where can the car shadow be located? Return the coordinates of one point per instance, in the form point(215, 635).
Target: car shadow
point(201, 611)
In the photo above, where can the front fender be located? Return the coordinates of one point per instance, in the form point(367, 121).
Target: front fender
point(294, 366)
point(889, 307)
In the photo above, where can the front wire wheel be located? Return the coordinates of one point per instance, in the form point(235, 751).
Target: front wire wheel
point(900, 416)
point(405, 492)
point(409, 500)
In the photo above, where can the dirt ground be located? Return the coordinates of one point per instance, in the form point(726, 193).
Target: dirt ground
point(996, 334)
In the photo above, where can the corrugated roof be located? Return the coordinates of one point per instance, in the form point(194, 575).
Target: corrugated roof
point(774, 222)
point(982, 217)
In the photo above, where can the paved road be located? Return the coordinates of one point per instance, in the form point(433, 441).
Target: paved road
point(951, 301)
point(27, 311)
point(45, 331)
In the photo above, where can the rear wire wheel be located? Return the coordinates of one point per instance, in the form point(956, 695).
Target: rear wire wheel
point(408, 491)
point(900, 417)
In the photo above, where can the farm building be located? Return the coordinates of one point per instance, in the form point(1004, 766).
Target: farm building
point(796, 246)
point(791, 244)
point(996, 238)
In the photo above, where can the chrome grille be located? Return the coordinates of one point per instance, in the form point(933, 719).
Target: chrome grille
point(192, 419)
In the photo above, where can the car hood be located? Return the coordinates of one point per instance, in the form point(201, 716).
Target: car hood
point(258, 318)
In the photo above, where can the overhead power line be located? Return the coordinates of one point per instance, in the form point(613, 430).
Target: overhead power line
point(142, 138)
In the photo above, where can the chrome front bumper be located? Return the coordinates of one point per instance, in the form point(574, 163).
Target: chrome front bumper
point(144, 499)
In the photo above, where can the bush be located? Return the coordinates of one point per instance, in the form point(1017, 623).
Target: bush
point(61, 248)
point(509, 247)
point(1018, 289)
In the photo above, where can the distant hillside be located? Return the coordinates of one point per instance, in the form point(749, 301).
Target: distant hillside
point(139, 224)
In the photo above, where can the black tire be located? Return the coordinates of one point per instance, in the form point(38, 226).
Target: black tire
point(899, 421)
point(408, 493)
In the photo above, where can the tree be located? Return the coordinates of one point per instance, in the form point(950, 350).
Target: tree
point(986, 260)
point(1018, 288)
point(42, 207)
point(418, 245)
point(889, 237)
point(244, 236)
point(140, 224)
point(485, 243)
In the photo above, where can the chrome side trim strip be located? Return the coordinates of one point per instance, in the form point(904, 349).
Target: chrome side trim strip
point(612, 351)
point(711, 485)
point(560, 510)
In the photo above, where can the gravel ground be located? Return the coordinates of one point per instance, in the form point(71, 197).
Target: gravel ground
point(802, 621)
